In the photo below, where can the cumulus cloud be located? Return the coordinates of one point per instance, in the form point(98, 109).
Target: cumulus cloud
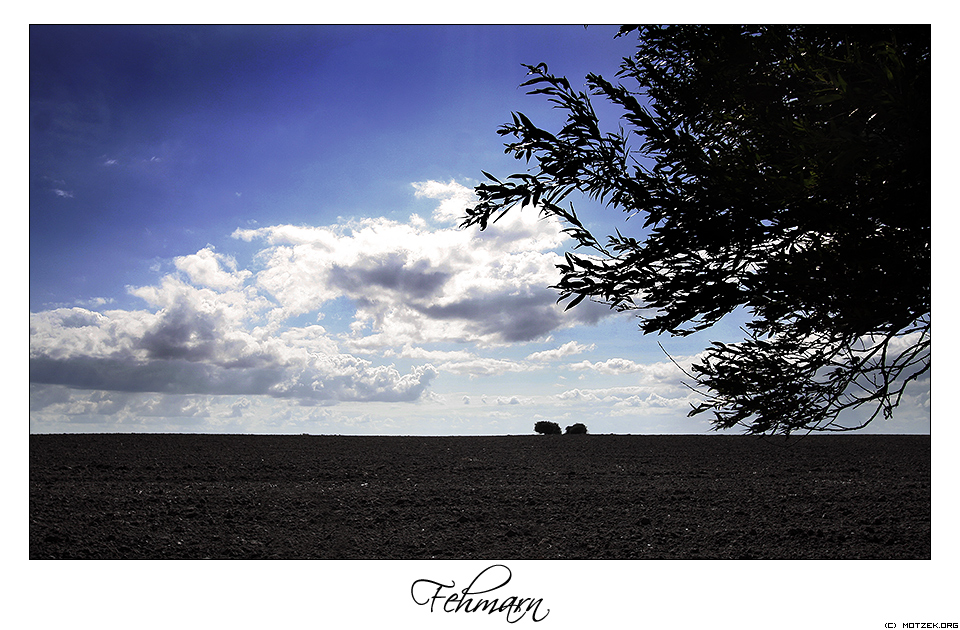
point(610, 366)
point(580, 396)
point(200, 342)
point(412, 352)
point(413, 283)
point(568, 349)
point(461, 361)
point(654, 400)
point(659, 371)
point(454, 199)
point(211, 269)
point(483, 366)
point(670, 397)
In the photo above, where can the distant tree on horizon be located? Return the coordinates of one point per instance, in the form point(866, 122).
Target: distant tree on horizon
point(547, 428)
point(778, 171)
point(575, 429)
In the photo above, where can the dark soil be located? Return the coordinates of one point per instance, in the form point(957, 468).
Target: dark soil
point(513, 497)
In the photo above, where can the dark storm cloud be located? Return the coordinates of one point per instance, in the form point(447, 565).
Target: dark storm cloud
point(186, 377)
point(514, 318)
point(393, 272)
point(182, 334)
point(170, 377)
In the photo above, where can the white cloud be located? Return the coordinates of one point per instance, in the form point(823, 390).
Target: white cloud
point(94, 302)
point(662, 370)
point(483, 366)
point(211, 269)
point(201, 341)
point(411, 352)
point(655, 400)
point(65, 333)
point(623, 393)
point(610, 366)
point(568, 349)
point(454, 199)
point(416, 284)
point(579, 396)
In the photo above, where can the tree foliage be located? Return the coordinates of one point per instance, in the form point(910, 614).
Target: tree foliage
point(547, 428)
point(576, 429)
point(781, 171)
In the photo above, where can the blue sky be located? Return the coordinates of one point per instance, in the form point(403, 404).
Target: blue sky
point(255, 229)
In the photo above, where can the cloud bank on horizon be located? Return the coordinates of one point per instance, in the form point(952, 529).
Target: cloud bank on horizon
point(212, 328)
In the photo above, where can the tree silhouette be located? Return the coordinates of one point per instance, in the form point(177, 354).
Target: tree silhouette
point(547, 428)
point(780, 171)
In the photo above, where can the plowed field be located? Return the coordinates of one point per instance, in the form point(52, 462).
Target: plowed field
point(512, 497)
